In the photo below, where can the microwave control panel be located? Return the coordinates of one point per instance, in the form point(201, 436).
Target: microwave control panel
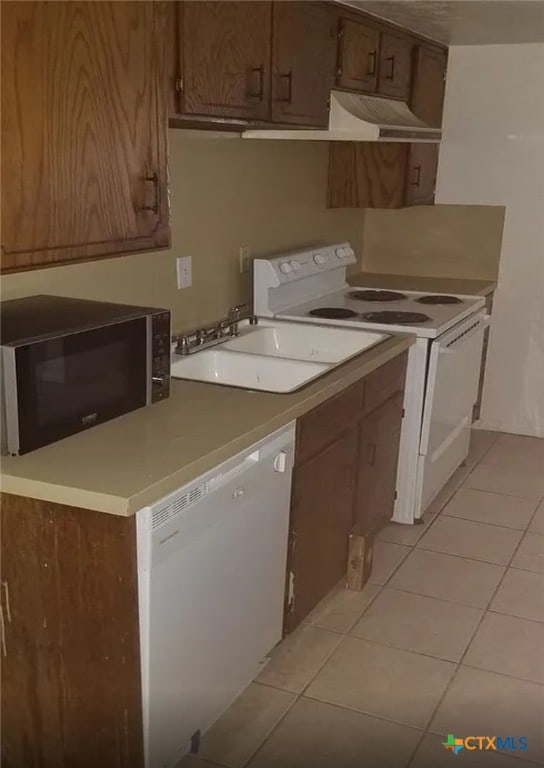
point(160, 356)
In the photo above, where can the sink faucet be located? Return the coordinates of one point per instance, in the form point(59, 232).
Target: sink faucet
point(203, 338)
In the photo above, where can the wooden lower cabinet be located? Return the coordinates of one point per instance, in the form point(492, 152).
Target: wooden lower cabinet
point(321, 513)
point(377, 469)
point(343, 480)
point(71, 662)
point(478, 404)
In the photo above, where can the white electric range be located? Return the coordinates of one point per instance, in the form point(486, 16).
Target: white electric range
point(443, 365)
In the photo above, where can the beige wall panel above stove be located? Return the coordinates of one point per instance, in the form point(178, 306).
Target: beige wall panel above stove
point(460, 241)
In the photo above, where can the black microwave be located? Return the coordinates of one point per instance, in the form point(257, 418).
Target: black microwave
point(68, 364)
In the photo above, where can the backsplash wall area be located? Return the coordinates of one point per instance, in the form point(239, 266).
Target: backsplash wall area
point(226, 192)
point(462, 241)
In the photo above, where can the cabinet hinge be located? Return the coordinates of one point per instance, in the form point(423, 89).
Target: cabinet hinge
point(339, 72)
point(179, 84)
point(341, 33)
point(403, 412)
point(395, 496)
point(445, 75)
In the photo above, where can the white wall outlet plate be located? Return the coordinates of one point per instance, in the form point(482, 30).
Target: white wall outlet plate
point(184, 271)
point(244, 256)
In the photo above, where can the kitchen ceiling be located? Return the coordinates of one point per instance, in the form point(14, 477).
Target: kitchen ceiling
point(464, 22)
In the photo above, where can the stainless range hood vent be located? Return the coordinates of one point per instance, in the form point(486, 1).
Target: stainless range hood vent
point(356, 117)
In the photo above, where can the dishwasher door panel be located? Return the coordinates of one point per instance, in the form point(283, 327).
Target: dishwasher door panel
point(214, 602)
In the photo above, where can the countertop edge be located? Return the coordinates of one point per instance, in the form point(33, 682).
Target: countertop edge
point(127, 506)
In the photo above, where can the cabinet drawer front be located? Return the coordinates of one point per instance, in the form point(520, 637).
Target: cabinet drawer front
point(385, 382)
point(325, 423)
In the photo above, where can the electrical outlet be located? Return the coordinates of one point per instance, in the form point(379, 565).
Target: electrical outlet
point(244, 255)
point(184, 271)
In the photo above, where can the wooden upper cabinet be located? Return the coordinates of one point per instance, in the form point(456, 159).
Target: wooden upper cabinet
point(429, 80)
point(225, 59)
point(395, 66)
point(366, 174)
point(84, 130)
point(358, 47)
point(421, 174)
point(303, 59)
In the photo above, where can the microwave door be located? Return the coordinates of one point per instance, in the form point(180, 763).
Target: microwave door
point(68, 383)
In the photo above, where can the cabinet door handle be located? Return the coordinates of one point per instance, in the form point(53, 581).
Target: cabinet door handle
point(154, 179)
point(287, 76)
point(259, 94)
point(416, 182)
point(371, 72)
point(391, 75)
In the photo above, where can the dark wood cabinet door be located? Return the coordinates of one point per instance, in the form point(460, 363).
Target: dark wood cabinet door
point(84, 130)
point(428, 87)
point(321, 517)
point(71, 691)
point(421, 174)
point(357, 56)
point(366, 174)
point(303, 59)
point(395, 67)
point(379, 448)
point(225, 58)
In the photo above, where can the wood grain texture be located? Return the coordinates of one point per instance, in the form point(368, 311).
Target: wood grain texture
point(225, 58)
point(83, 124)
point(303, 61)
point(395, 66)
point(427, 100)
point(71, 678)
point(421, 174)
point(321, 514)
point(366, 175)
point(377, 468)
point(385, 382)
point(325, 423)
point(358, 50)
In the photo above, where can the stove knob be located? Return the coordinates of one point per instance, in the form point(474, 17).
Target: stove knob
point(340, 253)
point(319, 258)
point(349, 251)
point(285, 267)
point(296, 265)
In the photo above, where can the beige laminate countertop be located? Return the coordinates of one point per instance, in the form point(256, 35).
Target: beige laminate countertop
point(130, 462)
point(452, 285)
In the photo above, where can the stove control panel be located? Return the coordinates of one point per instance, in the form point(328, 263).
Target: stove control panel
point(290, 278)
point(289, 267)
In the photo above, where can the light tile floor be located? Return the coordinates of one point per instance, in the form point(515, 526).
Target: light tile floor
point(448, 637)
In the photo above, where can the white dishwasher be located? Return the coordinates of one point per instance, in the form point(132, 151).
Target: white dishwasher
point(211, 570)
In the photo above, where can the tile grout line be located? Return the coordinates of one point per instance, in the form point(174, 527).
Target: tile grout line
point(485, 611)
point(425, 730)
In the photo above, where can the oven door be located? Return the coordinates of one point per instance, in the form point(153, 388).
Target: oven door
point(451, 391)
point(72, 382)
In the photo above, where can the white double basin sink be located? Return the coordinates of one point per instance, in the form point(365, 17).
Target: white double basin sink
point(274, 356)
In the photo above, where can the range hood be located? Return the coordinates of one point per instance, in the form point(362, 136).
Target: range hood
point(356, 117)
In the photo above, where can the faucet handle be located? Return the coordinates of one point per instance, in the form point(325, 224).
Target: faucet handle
point(235, 312)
